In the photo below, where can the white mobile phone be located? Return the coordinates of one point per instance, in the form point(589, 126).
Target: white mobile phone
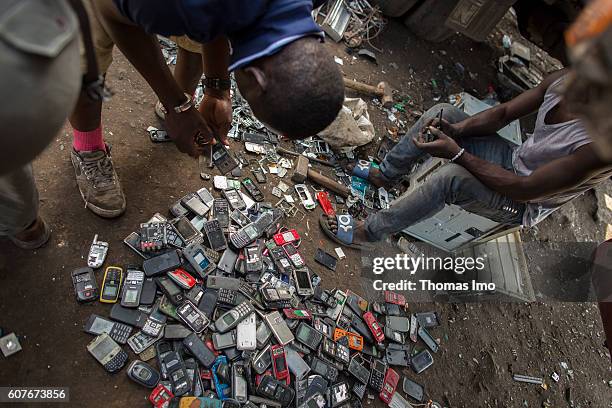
point(246, 333)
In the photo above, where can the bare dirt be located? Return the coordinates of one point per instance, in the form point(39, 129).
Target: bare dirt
point(481, 345)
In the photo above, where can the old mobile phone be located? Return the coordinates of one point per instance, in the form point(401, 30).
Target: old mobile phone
point(414, 328)
point(223, 341)
point(196, 256)
point(421, 361)
point(162, 348)
point(246, 333)
point(167, 308)
point(199, 350)
point(143, 374)
point(185, 229)
point(132, 317)
point(303, 282)
point(239, 218)
point(340, 299)
point(161, 396)
point(253, 190)
point(279, 363)
point(308, 336)
point(358, 369)
point(97, 253)
point(176, 332)
point(133, 287)
point(393, 335)
point(85, 285)
point(389, 385)
point(172, 292)
point(97, 325)
point(374, 327)
point(108, 353)
point(428, 339)
point(297, 314)
point(155, 322)
point(271, 388)
point(222, 158)
point(245, 236)
point(413, 389)
point(253, 261)
point(281, 261)
point(193, 317)
point(153, 236)
point(325, 259)
point(377, 374)
point(182, 278)
point(263, 360)
point(140, 341)
point(324, 369)
point(193, 203)
point(208, 302)
point(214, 234)
point(398, 323)
point(324, 327)
point(294, 256)
point(279, 328)
point(228, 261)
point(339, 393)
point(177, 373)
point(158, 265)
point(221, 211)
point(195, 294)
point(286, 237)
point(239, 383)
point(304, 196)
point(231, 318)
point(113, 276)
point(235, 199)
point(133, 242)
point(398, 354)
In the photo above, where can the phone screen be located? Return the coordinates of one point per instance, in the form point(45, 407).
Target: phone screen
point(303, 279)
point(100, 326)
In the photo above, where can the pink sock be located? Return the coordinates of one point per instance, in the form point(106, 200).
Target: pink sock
point(88, 141)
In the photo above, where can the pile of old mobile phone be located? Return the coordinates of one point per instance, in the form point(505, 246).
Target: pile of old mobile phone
point(225, 302)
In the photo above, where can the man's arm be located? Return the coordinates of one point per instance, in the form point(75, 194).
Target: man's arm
point(488, 122)
point(558, 175)
point(216, 108)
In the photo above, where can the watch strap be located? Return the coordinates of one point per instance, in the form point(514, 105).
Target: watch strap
point(217, 83)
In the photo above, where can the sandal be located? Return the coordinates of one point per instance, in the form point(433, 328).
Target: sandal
point(344, 235)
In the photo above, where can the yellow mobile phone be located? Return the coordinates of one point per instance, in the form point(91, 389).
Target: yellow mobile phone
point(111, 284)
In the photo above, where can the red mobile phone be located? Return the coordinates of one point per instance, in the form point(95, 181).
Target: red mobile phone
point(326, 205)
point(395, 298)
point(182, 278)
point(279, 363)
point(286, 237)
point(160, 396)
point(374, 326)
point(391, 380)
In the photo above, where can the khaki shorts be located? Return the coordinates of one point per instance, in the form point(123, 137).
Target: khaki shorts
point(187, 44)
point(102, 42)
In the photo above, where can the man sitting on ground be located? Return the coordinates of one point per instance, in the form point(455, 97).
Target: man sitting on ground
point(485, 176)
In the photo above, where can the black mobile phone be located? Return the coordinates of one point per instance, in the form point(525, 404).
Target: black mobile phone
point(208, 302)
point(133, 317)
point(163, 348)
point(214, 234)
point(228, 261)
point(413, 390)
point(97, 325)
point(172, 292)
point(223, 159)
point(422, 361)
point(235, 199)
point(177, 373)
point(199, 350)
point(176, 332)
point(161, 264)
point(185, 229)
point(221, 211)
point(326, 259)
point(85, 285)
point(149, 290)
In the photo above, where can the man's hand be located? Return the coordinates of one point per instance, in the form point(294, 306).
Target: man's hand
point(452, 130)
point(184, 127)
point(443, 146)
point(217, 112)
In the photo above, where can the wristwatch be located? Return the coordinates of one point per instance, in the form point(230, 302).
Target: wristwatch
point(188, 104)
point(217, 83)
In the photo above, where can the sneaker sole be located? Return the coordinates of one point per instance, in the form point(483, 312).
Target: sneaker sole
point(104, 213)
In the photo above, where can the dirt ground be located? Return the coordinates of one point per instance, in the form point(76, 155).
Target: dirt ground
point(481, 345)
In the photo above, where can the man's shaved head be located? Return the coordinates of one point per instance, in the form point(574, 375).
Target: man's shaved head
point(297, 91)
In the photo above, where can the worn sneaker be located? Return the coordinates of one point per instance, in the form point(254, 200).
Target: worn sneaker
point(98, 182)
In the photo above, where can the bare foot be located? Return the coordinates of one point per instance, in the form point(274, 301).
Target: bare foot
point(375, 177)
point(359, 234)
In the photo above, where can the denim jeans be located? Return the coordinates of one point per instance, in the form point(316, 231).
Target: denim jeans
point(450, 184)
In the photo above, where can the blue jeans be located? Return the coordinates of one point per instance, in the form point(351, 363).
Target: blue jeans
point(450, 184)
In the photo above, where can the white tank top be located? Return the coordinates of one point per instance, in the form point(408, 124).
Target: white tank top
point(548, 143)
